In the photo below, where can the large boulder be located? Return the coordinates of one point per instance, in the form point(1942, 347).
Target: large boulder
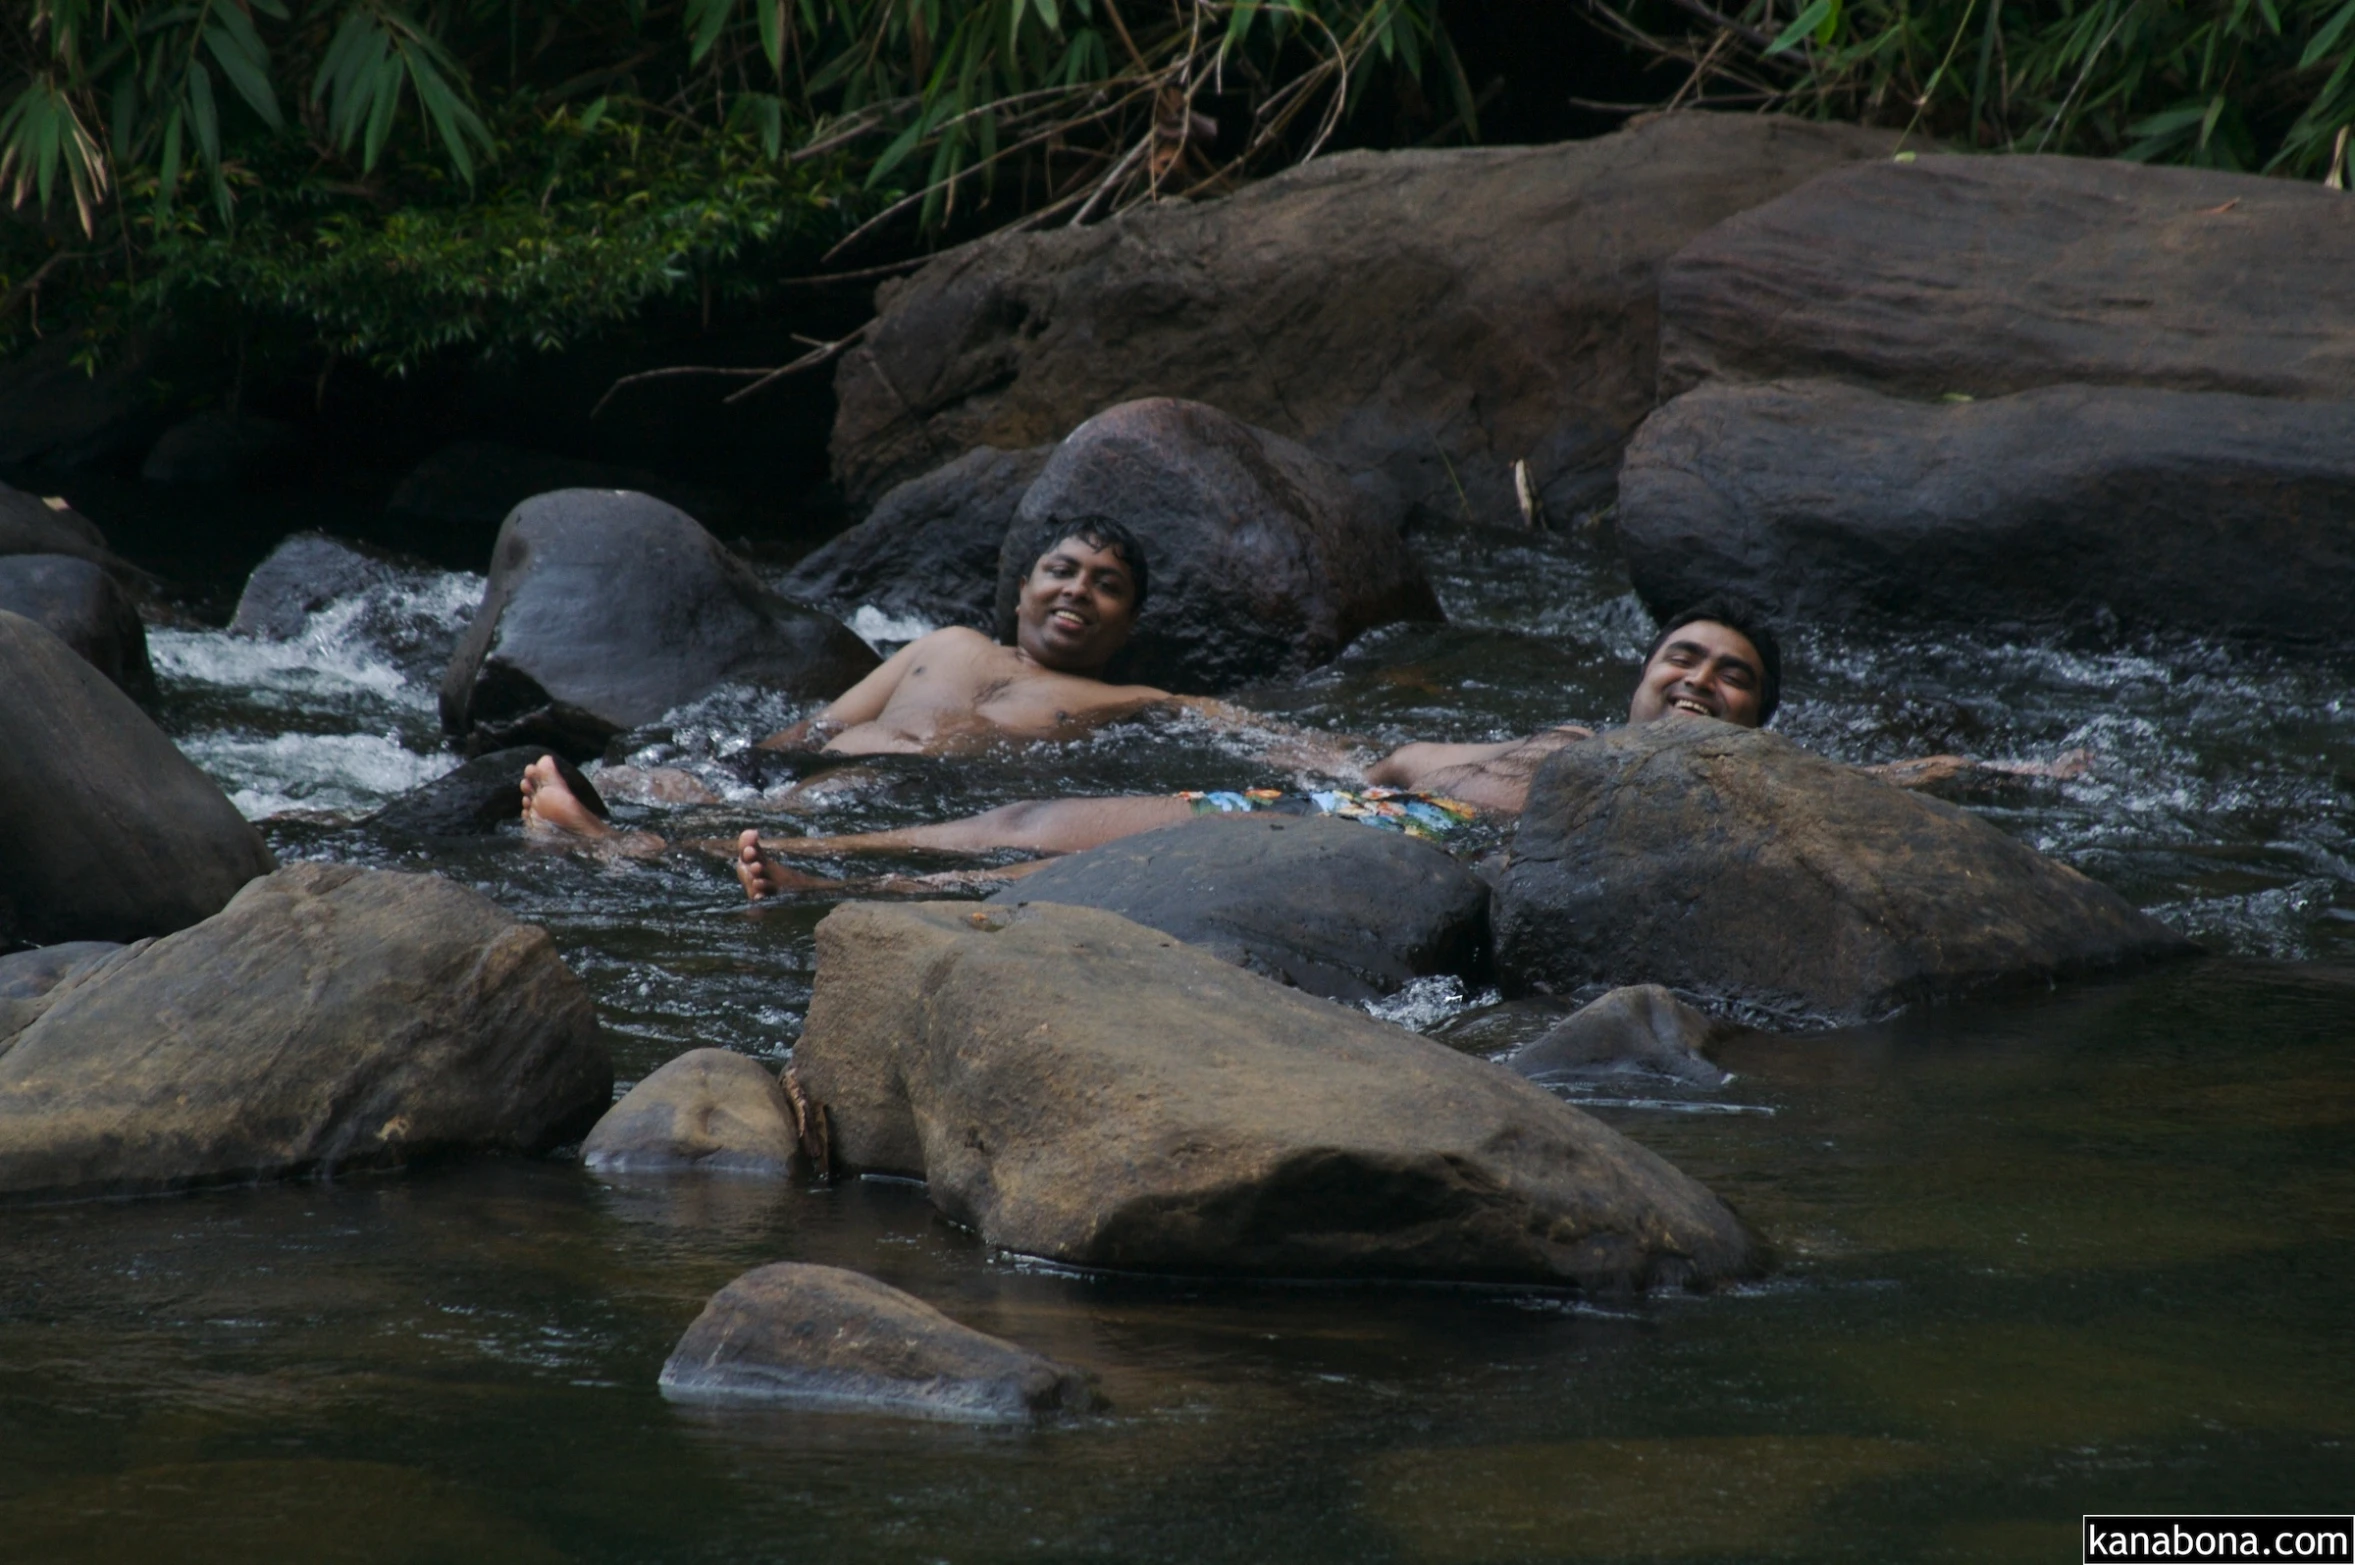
point(1329, 906)
point(1435, 316)
point(2209, 511)
point(709, 1111)
point(832, 1340)
point(31, 525)
point(1266, 561)
point(607, 608)
point(82, 605)
point(219, 448)
point(929, 549)
point(1075, 1086)
point(1730, 864)
point(107, 832)
point(329, 1018)
point(1985, 275)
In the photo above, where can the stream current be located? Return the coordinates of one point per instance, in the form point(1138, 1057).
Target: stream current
point(2081, 1251)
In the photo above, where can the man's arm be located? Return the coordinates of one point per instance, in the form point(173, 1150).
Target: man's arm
point(1491, 776)
point(1927, 771)
point(1297, 749)
point(861, 703)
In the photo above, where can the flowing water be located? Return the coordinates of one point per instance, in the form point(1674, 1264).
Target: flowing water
point(2081, 1251)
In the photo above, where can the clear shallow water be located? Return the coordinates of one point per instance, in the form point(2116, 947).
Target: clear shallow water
point(2060, 1253)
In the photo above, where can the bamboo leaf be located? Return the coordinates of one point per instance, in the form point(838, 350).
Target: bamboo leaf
point(2328, 36)
point(248, 73)
point(1805, 23)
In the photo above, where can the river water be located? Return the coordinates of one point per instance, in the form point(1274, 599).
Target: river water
point(2085, 1251)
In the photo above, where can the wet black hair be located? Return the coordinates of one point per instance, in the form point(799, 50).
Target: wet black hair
point(1097, 532)
point(1735, 614)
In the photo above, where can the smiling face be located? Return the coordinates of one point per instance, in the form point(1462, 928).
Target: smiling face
point(1077, 607)
point(1704, 669)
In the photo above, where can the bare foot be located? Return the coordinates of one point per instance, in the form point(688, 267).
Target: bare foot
point(549, 802)
point(763, 876)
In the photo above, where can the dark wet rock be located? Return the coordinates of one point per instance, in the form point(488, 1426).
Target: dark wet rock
point(1076, 1086)
point(1431, 316)
point(55, 413)
point(303, 575)
point(1987, 275)
point(839, 1341)
point(477, 796)
point(1641, 1027)
point(27, 975)
point(1265, 560)
point(82, 605)
point(606, 609)
point(107, 832)
point(2205, 511)
point(330, 1018)
point(1329, 906)
point(1732, 865)
point(708, 1110)
point(31, 525)
point(930, 547)
point(472, 486)
point(219, 448)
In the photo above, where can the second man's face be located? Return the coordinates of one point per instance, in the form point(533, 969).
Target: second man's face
point(1077, 607)
point(1704, 669)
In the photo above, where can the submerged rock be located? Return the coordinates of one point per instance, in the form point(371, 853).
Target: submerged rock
point(2205, 511)
point(107, 832)
point(837, 1341)
point(929, 550)
point(329, 1018)
point(304, 574)
point(1075, 1086)
point(81, 604)
point(1329, 906)
point(1431, 316)
point(1640, 1027)
point(605, 609)
point(1730, 863)
point(708, 1110)
point(218, 448)
point(1265, 560)
point(1979, 276)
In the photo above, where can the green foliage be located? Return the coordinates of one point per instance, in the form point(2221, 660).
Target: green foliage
point(2240, 84)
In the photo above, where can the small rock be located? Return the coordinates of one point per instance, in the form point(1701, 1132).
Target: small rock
point(219, 448)
point(709, 1110)
point(1639, 1027)
point(107, 832)
point(605, 609)
point(82, 605)
point(836, 1341)
point(1265, 560)
point(329, 1018)
point(1329, 906)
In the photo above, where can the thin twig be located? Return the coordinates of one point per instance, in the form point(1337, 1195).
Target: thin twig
point(810, 360)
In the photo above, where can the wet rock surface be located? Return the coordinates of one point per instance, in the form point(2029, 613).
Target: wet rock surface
point(1432, 316)
point(1330, 907)
point(1265, 560)
point(833, 1340)
point(82, 605)
point(1730, 863)
point(304, 574)
point(709, 1110)
point(476, 796)
point(1076, 1086)
point(606, 609)
point(1638, 1027)
point(1986, 275)
point(2204, 511)
point(328, 1018)
point(107, 832)
point(930, 547)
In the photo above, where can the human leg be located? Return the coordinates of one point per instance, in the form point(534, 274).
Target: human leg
point(1043, 826)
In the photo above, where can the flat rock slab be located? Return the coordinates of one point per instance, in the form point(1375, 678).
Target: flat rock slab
point(709, 1110)
point(80, 602)
point(1265, 560)
point(1328, 906)
point(833, 1340)
point(1986, 275)
point(606, 608)
point(1729, 863)
point(107, 832)
point(330, 1018)
point(2206, 511)
point(1430, 316)
point(1076, 1086)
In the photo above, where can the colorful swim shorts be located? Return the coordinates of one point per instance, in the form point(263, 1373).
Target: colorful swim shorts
point(1389, 809)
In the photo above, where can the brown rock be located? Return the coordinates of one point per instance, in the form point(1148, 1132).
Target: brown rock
point(1637, 1027)
point(1434, 316)
point(709, 1110)
point(1075, 1086)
